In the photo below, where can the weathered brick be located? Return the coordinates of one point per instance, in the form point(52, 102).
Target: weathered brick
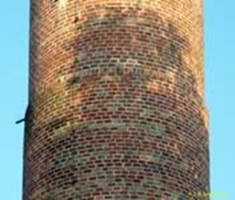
point(116, 103)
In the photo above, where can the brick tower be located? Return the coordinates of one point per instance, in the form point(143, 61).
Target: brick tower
point(116, 104)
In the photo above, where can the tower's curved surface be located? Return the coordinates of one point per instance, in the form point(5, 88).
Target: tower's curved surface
point(116, 106)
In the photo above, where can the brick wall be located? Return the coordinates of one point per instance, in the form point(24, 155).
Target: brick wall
point(116, 104)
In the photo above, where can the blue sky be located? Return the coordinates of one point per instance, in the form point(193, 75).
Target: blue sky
point(220, 93)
